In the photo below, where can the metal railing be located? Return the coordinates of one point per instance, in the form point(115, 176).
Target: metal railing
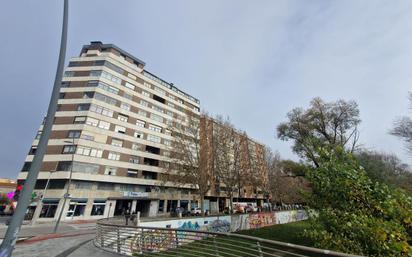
point(150, 241)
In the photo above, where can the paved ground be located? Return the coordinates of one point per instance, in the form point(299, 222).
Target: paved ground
point(41, 242)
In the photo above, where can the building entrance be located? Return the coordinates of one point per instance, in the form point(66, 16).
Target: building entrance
point(121, 207)
point(143, 206)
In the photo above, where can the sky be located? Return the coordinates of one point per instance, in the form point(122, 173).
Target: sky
point(252, 61)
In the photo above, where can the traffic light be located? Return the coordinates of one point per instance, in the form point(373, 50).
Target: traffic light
point(17, 192)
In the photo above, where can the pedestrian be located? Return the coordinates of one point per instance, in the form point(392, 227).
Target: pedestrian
point(127, 216)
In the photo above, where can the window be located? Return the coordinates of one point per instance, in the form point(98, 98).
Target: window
point(64, 166)
point(101, 110)
point(169, 113)
point(172, 97)
point(171, 105)
point(167, 142)
point(65, 84)
point(149, 175)
point(138, 134)
point(69, 149)
point(26, 166)
point(145, 93)
point(74, 134)
point(95, 73)
point(144, 103)
point(83, 107)
point(122, 117)
point(131, 76)
point(92, 121)
point(111, 77)
point(147, 84)
point(136, 147)
point(87, 168)
point(38, 135)
point(142, 113)
point(125, 106)
point(33, 150)
point(79, 120)
point(155, 128)
point(156, 117)
point(76, 207)
point(87, 137)
point(98, 207)
point(134, 159)
point(110, 170)
point(105, 186)
point(168, 132)
point(161, 206)
point(104, 86)
point(157, 108)
point(180, 100)
point(140, 123)
point(153, 138)
point(132, 173)
point(104, 125)
point(88, 95)
point(105, 99)
point(128, 85)
point(126, 187)
point(120, 129)
point(69, 74)
point(161, 91)
point(49, 208)
point(87, 151)
point(83, 185)
point(117, 142)
point(128, 96)
point(113, 156)
point(166, 153)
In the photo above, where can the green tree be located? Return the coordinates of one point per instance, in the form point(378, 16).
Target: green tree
point(322, 124)
point(386, 168)
point(351, 213)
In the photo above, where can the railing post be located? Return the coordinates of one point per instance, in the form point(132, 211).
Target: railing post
point(118, 240)
point(101, 235)
point(215, 245)
point(177, 243)
point(259, 249)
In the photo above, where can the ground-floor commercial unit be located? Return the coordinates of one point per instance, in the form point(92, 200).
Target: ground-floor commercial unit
point(96, 201)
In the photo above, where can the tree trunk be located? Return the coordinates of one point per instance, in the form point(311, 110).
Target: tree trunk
point(231, 203)
point(202, 204)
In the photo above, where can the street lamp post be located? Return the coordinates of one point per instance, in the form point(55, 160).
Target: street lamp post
point(67, 194)
point(13, 229)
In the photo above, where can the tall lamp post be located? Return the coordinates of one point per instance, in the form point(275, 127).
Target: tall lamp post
point(13, 229)
point(67, 194)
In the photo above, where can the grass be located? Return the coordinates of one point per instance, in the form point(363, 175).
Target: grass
point(288, 233)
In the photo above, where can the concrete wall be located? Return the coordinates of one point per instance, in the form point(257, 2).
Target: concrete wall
point(232, 223)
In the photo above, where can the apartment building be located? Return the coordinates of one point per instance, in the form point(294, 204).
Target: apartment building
point(112, 129)
point(252, 171)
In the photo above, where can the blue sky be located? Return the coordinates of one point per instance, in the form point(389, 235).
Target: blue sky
point(250, 60)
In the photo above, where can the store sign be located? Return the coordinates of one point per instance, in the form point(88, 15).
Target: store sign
point(135, 194)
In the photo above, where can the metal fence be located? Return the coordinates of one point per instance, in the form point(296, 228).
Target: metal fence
point(145, 241)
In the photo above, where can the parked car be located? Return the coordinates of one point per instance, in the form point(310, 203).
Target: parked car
point(196, 211)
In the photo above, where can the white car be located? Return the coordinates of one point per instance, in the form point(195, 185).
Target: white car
point(196, 211)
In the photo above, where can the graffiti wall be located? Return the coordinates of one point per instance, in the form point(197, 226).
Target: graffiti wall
point(211, 224)
point(283, 217)
point(232, 223)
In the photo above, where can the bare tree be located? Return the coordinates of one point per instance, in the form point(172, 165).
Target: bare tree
point(403, 128)
point(189, 163)
point(332, 124)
